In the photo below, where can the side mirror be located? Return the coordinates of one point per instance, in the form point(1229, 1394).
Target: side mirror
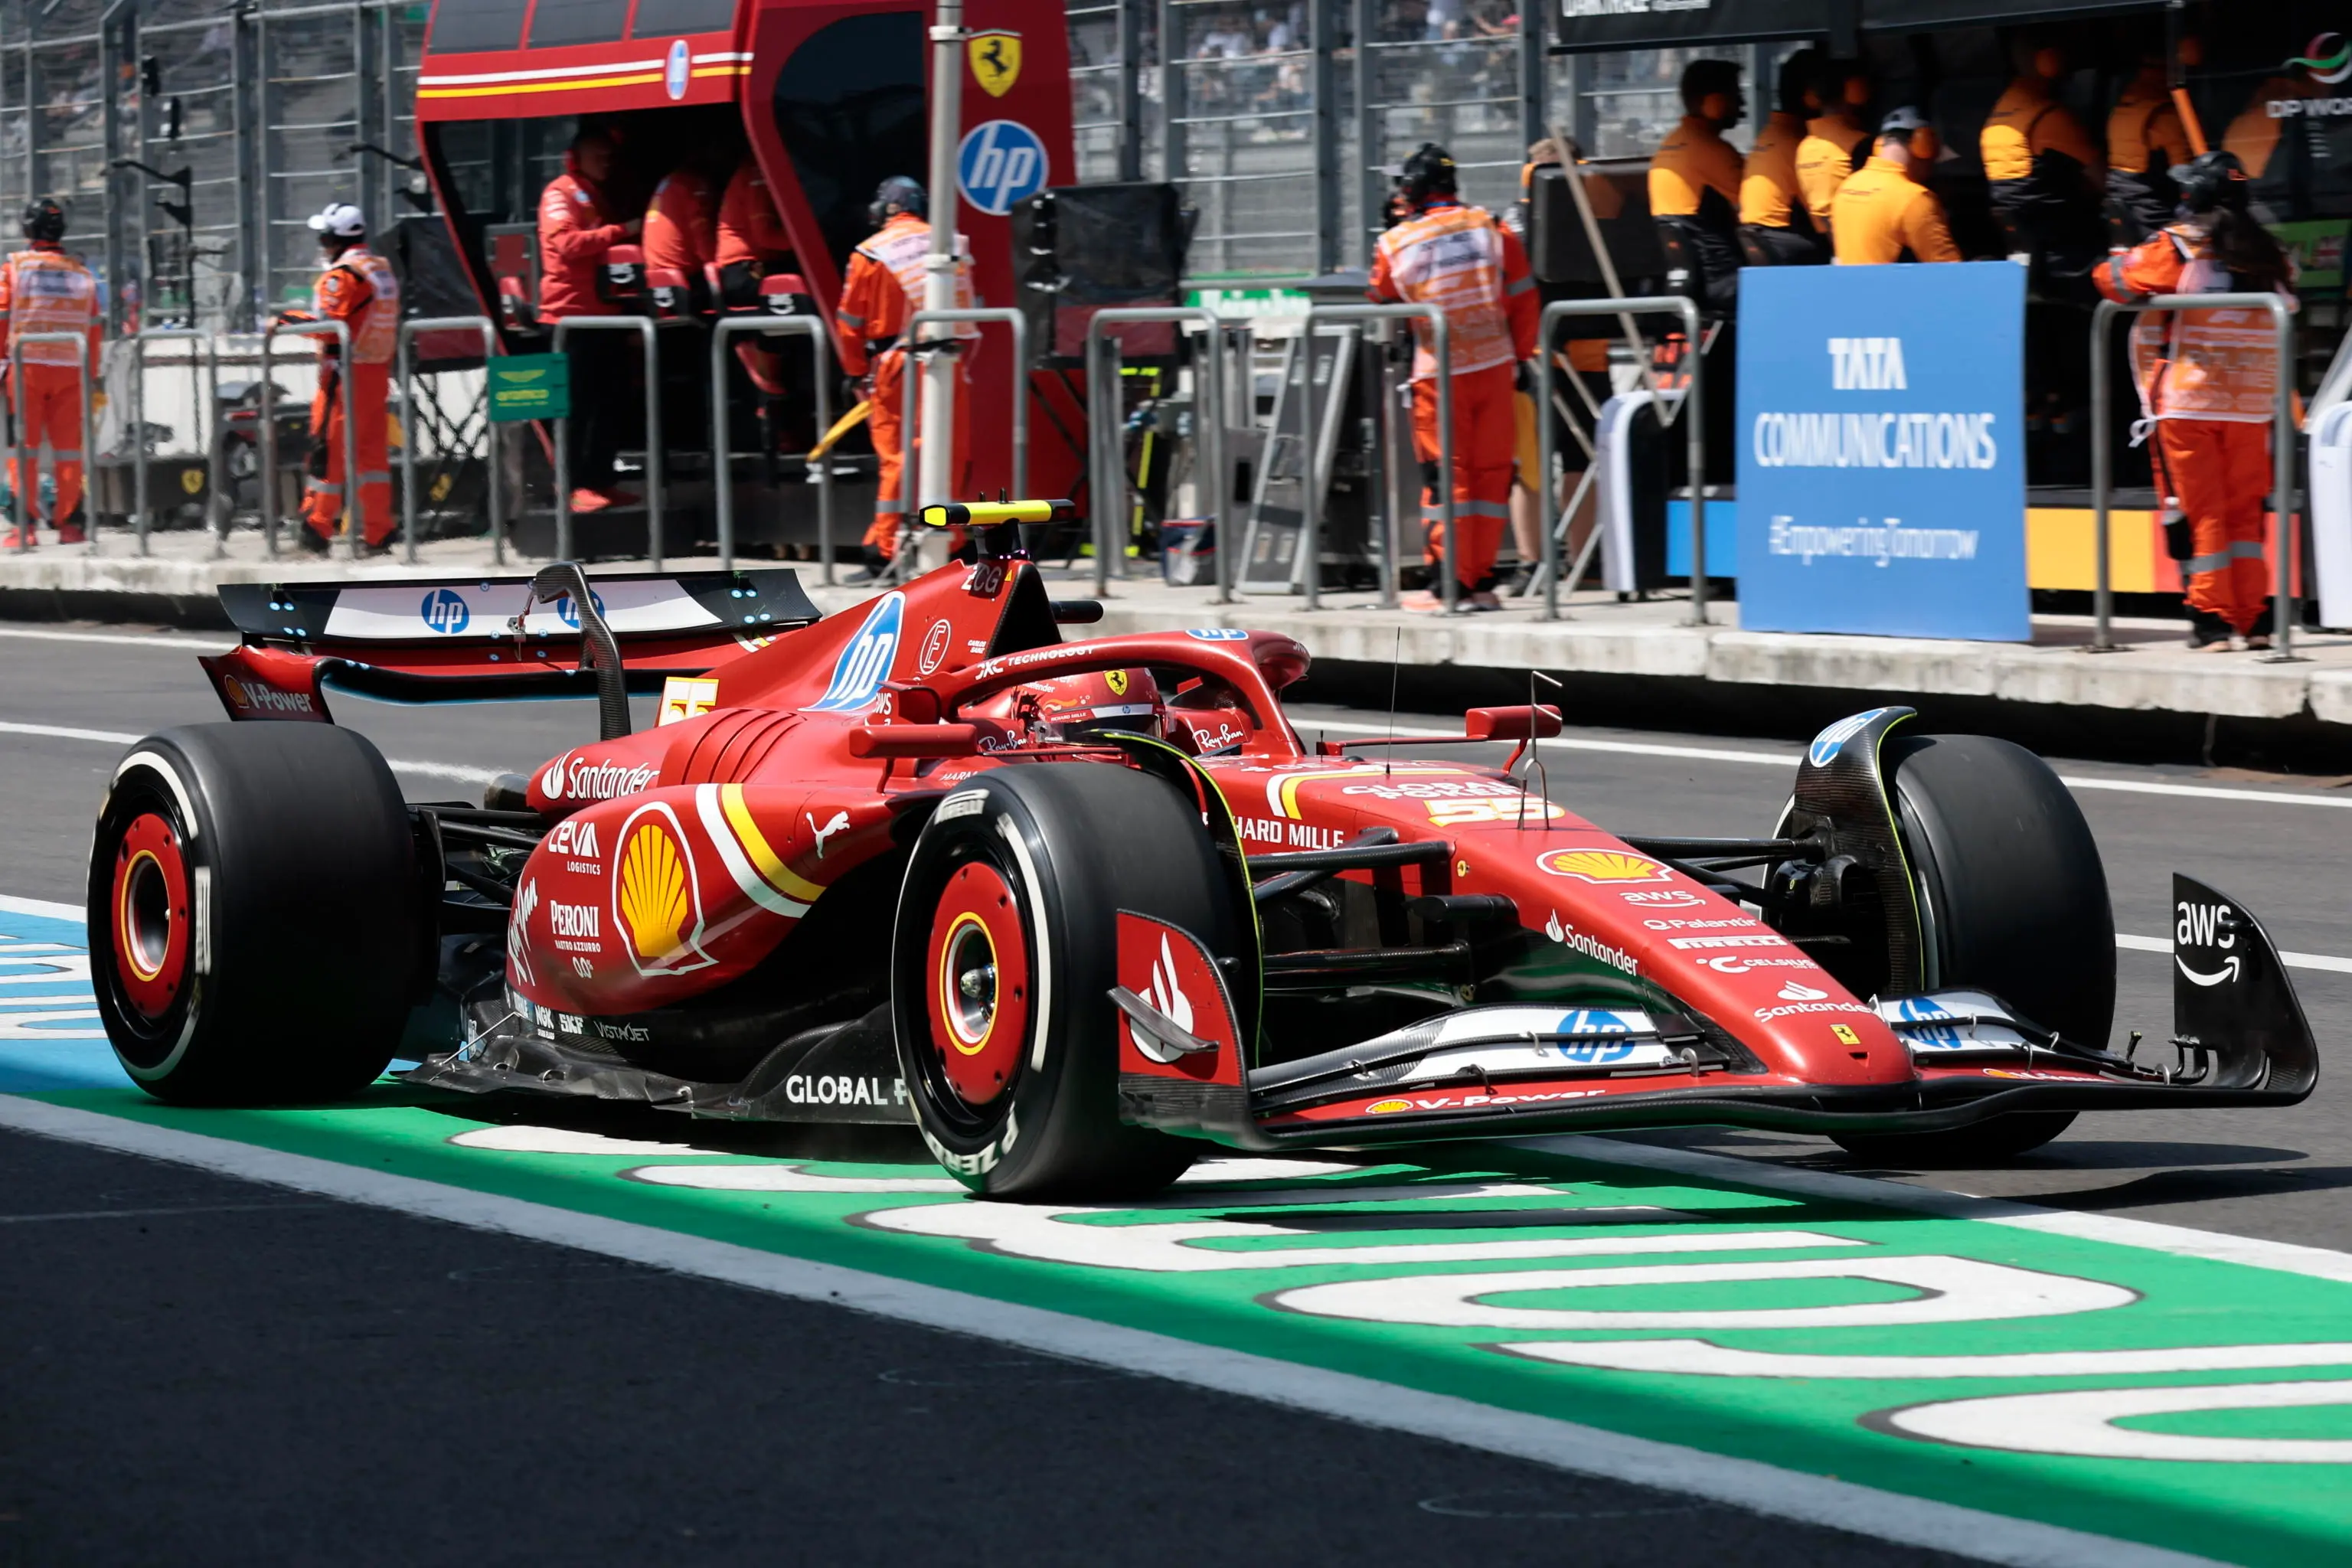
point(1520, 723)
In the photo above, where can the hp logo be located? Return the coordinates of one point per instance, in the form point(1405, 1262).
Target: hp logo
point(570, 613)
point(1000, 163)
point(444, 610)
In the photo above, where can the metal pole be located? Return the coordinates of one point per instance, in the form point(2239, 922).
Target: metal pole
point(2102, 598)
point(408, 330)
point(1368, 130)
point(644, 328)
point(563, 458)
point(266, 501)
point(722, 458)
point(1544, 488)
point(1440, 348)
point(648, 331)
point(937, 468)
point(1393, 442)
point(1105, 487)
point(1453, 592)
point(1694, 419)
point(139, 481)
point(1323, 80)
point(1309, 566)
point(2287, 533)
point(1012, 318)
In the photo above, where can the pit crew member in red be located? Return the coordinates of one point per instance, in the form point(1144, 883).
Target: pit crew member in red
point(578, 223)
point(43, 290)
point(882, 293)
point(2207, 386)
point(357, 287)
point(1459, 259)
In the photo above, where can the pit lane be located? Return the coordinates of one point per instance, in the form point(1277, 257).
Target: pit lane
point(2207, 1310)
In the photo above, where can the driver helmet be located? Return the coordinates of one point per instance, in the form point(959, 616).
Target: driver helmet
point(1083, 707)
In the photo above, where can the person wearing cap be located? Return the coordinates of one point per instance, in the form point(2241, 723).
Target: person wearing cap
point(578, 224)
point(2209, 385)
point(43, 290)
point(1837, 139)
point(1694, 180)
point(881, 294)
point(1885, 211)
point(1775, 228)
point(1458, 259)
point(357, 287)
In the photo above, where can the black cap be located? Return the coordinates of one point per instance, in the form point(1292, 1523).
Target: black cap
point(1428, 172)
point(45, 219)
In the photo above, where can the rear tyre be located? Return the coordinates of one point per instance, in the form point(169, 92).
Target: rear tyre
point(2013, 900)
point(1003, 959)
point(257, 929)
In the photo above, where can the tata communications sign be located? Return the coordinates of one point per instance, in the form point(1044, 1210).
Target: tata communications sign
point(1881, 453)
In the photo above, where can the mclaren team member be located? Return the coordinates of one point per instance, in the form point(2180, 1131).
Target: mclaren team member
point(43, 290)
point(2208, 379)
point(357, 287)
point(1885, 211)
point(2146, 142)
point(1461, 260)
point(882, 293)
point(578, 223)
point(2048, 179)
point(1695, 179)
point(1775, 228)
point(1837, 139)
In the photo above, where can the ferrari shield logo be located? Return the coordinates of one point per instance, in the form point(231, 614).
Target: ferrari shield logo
point(995, 60)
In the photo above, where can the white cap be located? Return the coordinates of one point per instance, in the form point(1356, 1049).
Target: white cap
point(340, 219)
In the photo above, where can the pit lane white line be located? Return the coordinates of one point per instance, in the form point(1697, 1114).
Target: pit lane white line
point(1740, 1483)
point(165, 642)
point(1788, 759)
point(2291, 960)
point(117, 738)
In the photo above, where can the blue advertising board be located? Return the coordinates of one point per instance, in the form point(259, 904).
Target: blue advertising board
point(1882, 450)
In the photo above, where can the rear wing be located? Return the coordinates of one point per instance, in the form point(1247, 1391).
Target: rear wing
point(467, 639)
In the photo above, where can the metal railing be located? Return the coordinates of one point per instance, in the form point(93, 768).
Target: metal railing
point(355, 518)
point(207, 418)
point(643, 326)
point(1694, 417)
point(1310, 530)
point(2283, 538)
point(722, 460)
point(28, 491)
point(911, 381)
point(408, 427)
point(1105, 438)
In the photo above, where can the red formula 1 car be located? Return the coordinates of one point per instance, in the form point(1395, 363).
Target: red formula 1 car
point(1077, 909)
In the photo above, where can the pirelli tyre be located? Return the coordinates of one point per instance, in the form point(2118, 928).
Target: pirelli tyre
point(1002, 961)
point(2013, 899)
point(257, 918)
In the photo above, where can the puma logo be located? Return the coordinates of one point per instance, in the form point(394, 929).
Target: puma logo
point(840, 820)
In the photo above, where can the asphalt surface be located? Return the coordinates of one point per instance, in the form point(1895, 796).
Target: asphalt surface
point(402, 1390)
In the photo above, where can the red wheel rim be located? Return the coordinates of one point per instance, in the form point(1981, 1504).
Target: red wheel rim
point(978, 983)
point(150, 927)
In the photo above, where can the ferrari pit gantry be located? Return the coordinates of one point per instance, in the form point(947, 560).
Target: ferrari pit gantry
point(1078, 908)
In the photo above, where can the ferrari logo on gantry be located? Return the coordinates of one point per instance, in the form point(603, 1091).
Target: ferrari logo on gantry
point(995, 60)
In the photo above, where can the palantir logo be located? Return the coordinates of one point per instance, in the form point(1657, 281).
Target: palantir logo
point(865, 662)
point(1867, 364)
point(445, 611)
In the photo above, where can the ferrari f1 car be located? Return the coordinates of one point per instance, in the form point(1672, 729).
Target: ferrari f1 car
point(1077, 910)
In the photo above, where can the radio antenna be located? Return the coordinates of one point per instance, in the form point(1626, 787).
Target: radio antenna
point(1388, 753)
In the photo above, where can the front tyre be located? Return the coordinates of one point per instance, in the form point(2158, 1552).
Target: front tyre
point(256, 922)
point(1003, 959)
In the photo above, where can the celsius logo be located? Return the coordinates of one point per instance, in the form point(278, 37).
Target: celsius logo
point(2327, 57)
point(445, 611)
point(865, 662)
point(1866, 364)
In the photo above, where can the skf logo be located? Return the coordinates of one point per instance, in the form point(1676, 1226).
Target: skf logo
point(995, 60)
point(656, 894)
point(1866, 364)
point(1602, 865)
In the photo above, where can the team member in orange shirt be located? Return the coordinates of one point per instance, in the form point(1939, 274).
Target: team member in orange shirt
point(880, 296)
point(2208, 381)
point(1775, 229)
point(1459, 259)
point(1885, 211)
point(2146, 142)
point(357, 287)
point(1695, 178)
point(1837, 141)
point(2048, 178)
point(43, 290)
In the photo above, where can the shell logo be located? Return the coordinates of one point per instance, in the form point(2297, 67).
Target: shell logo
point(1606, 866)
point(657, 896)
point(1387, 1106)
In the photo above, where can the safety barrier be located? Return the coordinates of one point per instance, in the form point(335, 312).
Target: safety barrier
point(722, 460)
point(2283, 507)
point(208, 419)
point(907, 468)
point(1105, 445)
point(354, 519)
point(1694, 417)
point(27, 493)
point(409, 424)
point(1311, 542)
point(644, 327)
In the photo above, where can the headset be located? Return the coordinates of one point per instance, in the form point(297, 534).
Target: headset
point(2210, 180)
point(1429, 173)
point(1919, 138)
point(900, 191)
point(45, 219)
